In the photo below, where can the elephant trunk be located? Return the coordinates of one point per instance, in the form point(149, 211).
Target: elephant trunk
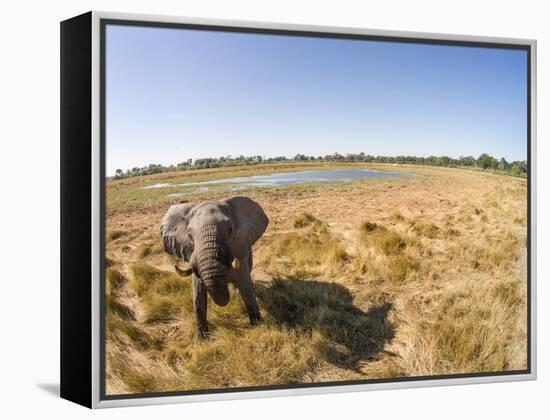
point(211, 262)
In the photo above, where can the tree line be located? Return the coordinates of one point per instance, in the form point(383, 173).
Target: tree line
point(483, 162)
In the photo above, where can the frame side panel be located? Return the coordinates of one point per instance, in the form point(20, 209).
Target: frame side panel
point(76, 318)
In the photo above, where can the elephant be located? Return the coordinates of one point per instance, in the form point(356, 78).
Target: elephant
point(216, 238)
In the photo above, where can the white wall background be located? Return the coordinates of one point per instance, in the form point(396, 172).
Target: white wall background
point(29, 222)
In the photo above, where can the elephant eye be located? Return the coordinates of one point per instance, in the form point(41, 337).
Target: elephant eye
point(230, 230)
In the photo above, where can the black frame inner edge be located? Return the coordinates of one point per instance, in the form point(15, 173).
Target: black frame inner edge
point(305, 33)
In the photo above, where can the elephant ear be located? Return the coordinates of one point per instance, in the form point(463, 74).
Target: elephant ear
point(174, 230)
point(249, 222)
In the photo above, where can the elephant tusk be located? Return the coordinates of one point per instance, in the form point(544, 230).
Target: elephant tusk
point(235, 264)
point(185, 272)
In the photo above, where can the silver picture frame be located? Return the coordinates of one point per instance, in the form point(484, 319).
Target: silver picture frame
point(97, 398)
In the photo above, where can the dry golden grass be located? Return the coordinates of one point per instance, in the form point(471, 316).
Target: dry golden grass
point(371, 279)
point(114, 235)
point(310, 251)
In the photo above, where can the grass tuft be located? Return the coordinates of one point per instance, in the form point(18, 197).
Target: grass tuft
point(112, 305)
point(162, 309)
point(307, 253)
point(287, 357)
point(119, 328)
point(305, 219)
point(164, 295)
point(149, 249)
point(397, 217)
point(427, 230)
point(114, 280)
point(382, 238)
point(114, 235)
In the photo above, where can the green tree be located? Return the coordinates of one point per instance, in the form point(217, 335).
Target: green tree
point(486, 161)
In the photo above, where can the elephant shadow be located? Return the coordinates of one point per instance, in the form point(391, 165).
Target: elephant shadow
point(352, 336)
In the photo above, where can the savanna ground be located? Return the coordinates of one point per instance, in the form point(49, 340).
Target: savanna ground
point(376, 278)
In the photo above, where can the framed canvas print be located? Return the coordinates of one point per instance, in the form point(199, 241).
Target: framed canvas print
point(256, 209)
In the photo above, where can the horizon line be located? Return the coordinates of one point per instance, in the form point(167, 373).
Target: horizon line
point(293, 158)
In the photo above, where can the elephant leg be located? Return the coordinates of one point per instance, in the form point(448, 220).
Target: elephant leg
point(250, 260)
point(244, 284)
point(199, 304)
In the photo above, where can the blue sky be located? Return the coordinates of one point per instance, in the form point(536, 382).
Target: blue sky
point(174, 94)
